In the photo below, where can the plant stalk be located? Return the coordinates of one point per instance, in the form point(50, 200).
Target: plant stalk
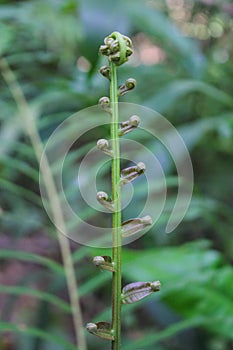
point(116, 216)
point(29, 123)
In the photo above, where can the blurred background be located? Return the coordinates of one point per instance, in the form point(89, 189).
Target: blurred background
point(183, 65)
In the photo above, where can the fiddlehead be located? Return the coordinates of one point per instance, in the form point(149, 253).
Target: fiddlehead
point(118, 48)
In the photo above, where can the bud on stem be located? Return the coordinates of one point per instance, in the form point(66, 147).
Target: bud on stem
point(101, 329)
point(104, 263)
point(136, 291)
point(104, 103)
point(104, 200)
point(128, 86)
point(133, 226)
point(129, 125)
point(131, 173)
point(103, 145)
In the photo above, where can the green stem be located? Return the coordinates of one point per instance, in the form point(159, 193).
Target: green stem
point(116, 216)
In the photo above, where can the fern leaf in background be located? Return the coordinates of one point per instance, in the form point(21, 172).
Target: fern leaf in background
point(182, 53)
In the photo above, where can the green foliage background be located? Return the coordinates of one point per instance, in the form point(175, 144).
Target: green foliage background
point(52, 47)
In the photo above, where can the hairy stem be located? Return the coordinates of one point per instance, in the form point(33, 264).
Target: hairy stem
point(116, 216)
point(30, 125)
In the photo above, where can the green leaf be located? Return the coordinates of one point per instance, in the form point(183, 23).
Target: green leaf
point(20, 166)
point(172, 92)
point(6, 38)
point(160, 28)
point(35, 258)
point(53, 299)
point(35, 332)
point(94, 283)
point(21, 191)
point(151, 338)
point(189, 277)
